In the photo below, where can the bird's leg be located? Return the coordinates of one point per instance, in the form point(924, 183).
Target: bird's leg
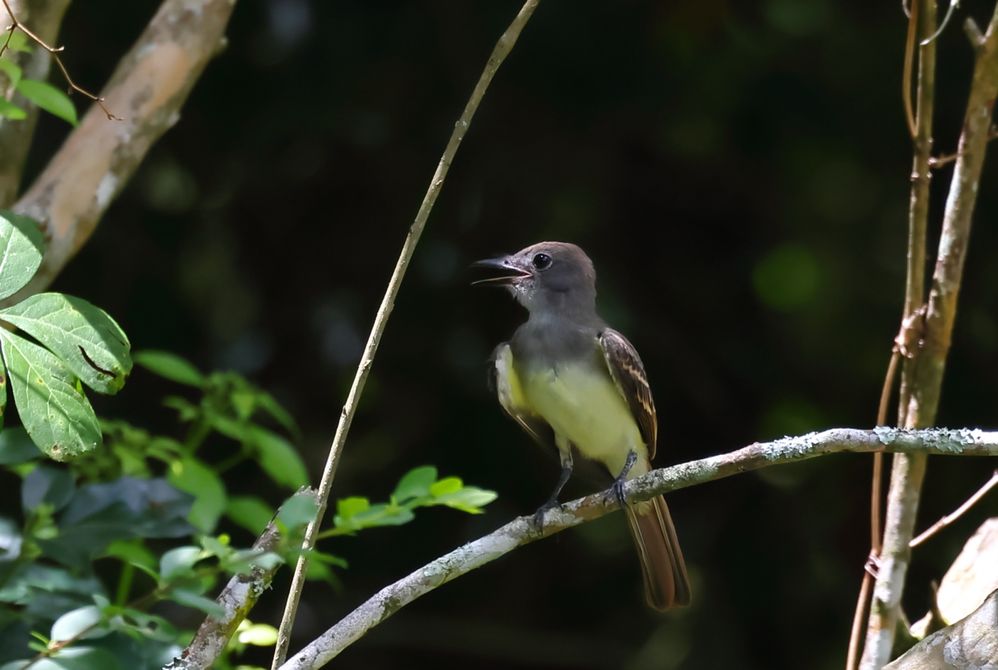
point(552, 502)
point(617, 488)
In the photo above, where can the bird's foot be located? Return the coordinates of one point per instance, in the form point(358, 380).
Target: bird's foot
point(538, 519)
point(616, 491)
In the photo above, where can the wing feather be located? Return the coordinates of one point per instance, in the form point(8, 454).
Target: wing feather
point(506, 384)
point(629, 375)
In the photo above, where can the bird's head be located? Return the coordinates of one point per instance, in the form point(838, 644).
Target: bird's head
point(552, 274)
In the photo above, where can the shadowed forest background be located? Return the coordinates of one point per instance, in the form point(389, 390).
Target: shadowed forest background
point(739, 174)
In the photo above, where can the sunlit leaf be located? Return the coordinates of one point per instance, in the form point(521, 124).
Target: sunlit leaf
point(83, 621)
point(49, 98)
point(278, 458)
point(257, 634)
point(87, 340)
point(415, 483)
point(298, 510)
point(178, 562)
point(21, 248)
point(54, 411)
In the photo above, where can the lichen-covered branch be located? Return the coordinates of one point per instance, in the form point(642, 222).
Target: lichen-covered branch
point(45, 17)
point(147, 90)
point(521, 531)
point(924, 379)
point(971, 642)
point(237, 599)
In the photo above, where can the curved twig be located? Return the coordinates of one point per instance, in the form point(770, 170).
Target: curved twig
point(499, 53)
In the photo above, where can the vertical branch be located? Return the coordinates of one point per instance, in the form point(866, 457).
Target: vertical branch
point(924, 373)
point(499, 53)
point(45, 17)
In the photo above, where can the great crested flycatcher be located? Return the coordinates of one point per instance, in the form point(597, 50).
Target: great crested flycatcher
point(570, 380)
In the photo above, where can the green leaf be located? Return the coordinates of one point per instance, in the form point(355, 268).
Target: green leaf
point(445, 486)
point(49, 98)
point(347, 508)
point(197, 601)
point(383, 515)
point(278, 458)
point(87, 340)
point(12, 70)
point(54, 411)
point(16, 447)
point(169, 366)
point(298, 510)
point(21, 248)
point(132, 552)
point(84, 620)
point(46, 484)
point(415, 483)
point(469, 499)
point(19, 43)
point(193, 476)
point(248, 512)
point(257, 634)
point(178, 562)
point(11, 111)
point(270, 405)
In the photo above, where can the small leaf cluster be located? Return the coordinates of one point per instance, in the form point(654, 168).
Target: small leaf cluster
point(40, 93)
point(52, 345)
point(420, 487)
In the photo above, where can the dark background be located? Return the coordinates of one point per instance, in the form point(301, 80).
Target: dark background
point(739, 174)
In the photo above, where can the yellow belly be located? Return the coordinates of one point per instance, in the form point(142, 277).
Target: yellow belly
point(583, 405)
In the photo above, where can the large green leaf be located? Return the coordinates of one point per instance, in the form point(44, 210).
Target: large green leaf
point(88, 341)
point(21, 248)
point(249, 512)
point(49, 98)
point(278, 458)
point(54, 411)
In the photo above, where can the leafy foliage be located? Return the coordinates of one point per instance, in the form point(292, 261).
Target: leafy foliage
point(74, 342)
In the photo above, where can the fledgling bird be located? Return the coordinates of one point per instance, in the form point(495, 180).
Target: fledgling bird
point(570, 380)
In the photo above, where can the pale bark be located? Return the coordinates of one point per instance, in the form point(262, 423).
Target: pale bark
point(148, 88)
point(926, 370)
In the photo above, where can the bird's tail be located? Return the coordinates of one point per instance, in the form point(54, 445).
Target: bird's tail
point(666, 582)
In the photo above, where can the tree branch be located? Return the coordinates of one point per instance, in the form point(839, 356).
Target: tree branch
point(925, 371)
point(971, 642)
point(499, 53)
point(237, 599)
point(521, 531)
point(15, 136)
point(150, 85)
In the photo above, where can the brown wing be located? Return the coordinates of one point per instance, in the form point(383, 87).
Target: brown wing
point(629, 375)
point(506, 384)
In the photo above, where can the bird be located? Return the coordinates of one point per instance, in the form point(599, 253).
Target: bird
point(576, 385)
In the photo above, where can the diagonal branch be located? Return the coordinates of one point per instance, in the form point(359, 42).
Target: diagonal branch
point(237, 599)
point(499, 53)
point(927, 368)
point(150, 85)
point(521, 531)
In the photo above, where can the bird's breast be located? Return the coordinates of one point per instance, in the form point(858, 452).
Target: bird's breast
point(581, 402)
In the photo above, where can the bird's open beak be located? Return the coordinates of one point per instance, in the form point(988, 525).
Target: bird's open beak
point(509, 272)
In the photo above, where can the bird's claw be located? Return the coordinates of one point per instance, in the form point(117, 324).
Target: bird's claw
point(538, 519)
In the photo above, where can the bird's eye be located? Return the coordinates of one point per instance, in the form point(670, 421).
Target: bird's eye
point(542, 261)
